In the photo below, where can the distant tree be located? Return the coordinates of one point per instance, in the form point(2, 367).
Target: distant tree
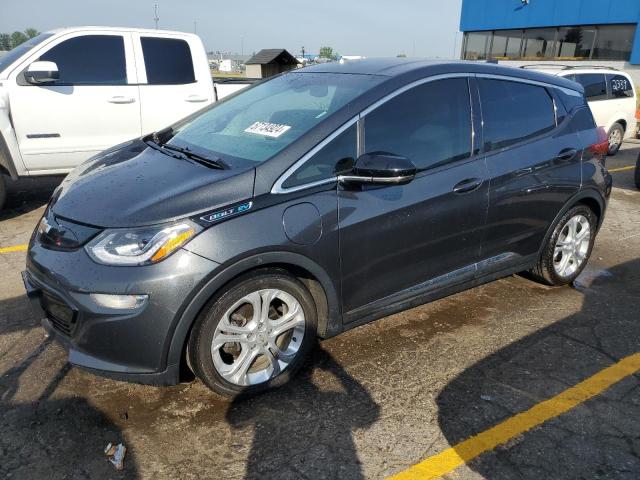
point(5, 41)
point(402, 55)
point(17, 38)
point(328, 52)
point(31, 32)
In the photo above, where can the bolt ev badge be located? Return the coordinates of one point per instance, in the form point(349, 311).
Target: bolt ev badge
point(221, 214)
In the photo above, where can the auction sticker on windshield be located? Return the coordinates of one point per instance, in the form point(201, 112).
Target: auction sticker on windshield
point(267, 129)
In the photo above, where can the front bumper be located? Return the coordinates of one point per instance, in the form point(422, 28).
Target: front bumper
point(125, 344)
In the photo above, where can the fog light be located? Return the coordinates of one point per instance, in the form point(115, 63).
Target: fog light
point(119, 302)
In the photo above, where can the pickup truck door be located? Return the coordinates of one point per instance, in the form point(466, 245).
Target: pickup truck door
point(93, 105)
point(174, 76)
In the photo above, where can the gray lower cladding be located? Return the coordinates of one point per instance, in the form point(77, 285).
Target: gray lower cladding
point(443, 285)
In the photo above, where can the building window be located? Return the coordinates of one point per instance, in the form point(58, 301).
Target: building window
point(539, 43)
point(477, 45)
point(614, 42)
point(575, 43)
point(506, 44)
point(606, 42)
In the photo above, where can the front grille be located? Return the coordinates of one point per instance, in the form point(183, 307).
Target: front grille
point(61, 316)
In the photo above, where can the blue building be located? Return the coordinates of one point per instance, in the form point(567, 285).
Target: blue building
point(552, 30)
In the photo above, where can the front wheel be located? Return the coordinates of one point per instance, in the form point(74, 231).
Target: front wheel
point(616, 136)
point(255, 335)
point(567, 250)
point(637, 173)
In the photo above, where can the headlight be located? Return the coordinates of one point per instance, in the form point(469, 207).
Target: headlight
point(140, 246)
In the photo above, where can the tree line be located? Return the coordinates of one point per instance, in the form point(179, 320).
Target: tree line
point(12, 40)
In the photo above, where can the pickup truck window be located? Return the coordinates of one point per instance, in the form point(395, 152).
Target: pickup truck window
point(167, 61)
point(256, 124)
point(90, 60)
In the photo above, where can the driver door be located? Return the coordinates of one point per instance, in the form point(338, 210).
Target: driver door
point(93, 105)
point(400, 241)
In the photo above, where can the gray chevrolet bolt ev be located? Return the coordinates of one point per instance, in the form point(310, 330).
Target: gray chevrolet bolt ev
point(311, 203)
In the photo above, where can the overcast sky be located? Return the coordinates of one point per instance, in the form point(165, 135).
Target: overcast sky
point(426, 28)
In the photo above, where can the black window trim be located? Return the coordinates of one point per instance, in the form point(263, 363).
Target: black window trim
point(360, 119)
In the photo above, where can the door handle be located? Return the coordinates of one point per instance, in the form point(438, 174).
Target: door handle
point(468, 185)
point(121, 99)
point(196, 98)
point(567, 154)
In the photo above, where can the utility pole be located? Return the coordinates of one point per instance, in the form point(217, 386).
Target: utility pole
point(195, 26)
point(155, 15)
point(242, 45)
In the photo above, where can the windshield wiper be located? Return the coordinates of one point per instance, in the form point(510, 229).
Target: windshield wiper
point(210, 162)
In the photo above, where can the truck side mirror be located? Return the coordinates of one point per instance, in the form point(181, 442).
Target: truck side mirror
point(40, 72)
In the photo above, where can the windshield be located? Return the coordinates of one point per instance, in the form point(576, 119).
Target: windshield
point(258, 123)
point(10, 57)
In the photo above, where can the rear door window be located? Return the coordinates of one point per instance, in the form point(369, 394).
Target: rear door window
point(513, 112)
point(89, 60)
point(430, 124)
point(595, 85)
point(167, 61)
point(620, 86)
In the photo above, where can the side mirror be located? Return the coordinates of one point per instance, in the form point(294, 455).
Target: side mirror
point(39, 73)
point(381, 168)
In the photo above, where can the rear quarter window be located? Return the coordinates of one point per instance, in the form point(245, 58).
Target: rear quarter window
point(620, 86)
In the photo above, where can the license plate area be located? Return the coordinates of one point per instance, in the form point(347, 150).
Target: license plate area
point(62, 317)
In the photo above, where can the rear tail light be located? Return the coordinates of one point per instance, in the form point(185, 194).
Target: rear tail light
point(601, 147)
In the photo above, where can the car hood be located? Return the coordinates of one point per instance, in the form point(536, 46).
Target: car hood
point(133, 185)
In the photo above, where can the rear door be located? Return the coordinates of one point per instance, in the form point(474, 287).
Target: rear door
point(399, 241)
point(92, 106)
point(534, 167)
point(172, 84)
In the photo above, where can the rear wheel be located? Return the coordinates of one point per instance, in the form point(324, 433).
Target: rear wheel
point(255, 335)
point(568, 248)
point(616, 135)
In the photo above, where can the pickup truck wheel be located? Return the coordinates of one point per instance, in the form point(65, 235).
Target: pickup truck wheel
point(616, 135)
point(255, 335)
point(567, 250)
point(3, 190)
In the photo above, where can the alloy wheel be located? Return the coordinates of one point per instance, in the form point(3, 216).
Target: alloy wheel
point(258, 337)
point(572, 246)
point(615, 138)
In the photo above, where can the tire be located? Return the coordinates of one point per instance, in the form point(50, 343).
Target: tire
point(3, 191)
point(230, 316)
point(637, 173)
point(616, 130)
point(549, 267)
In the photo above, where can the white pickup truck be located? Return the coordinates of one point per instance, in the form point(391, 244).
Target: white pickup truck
point(68, 94)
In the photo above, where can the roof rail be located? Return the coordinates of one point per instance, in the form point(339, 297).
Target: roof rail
point(568, 67)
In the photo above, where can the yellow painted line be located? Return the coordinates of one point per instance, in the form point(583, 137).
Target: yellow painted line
point(465, 451)
point(621, 169)
point(15, 248)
